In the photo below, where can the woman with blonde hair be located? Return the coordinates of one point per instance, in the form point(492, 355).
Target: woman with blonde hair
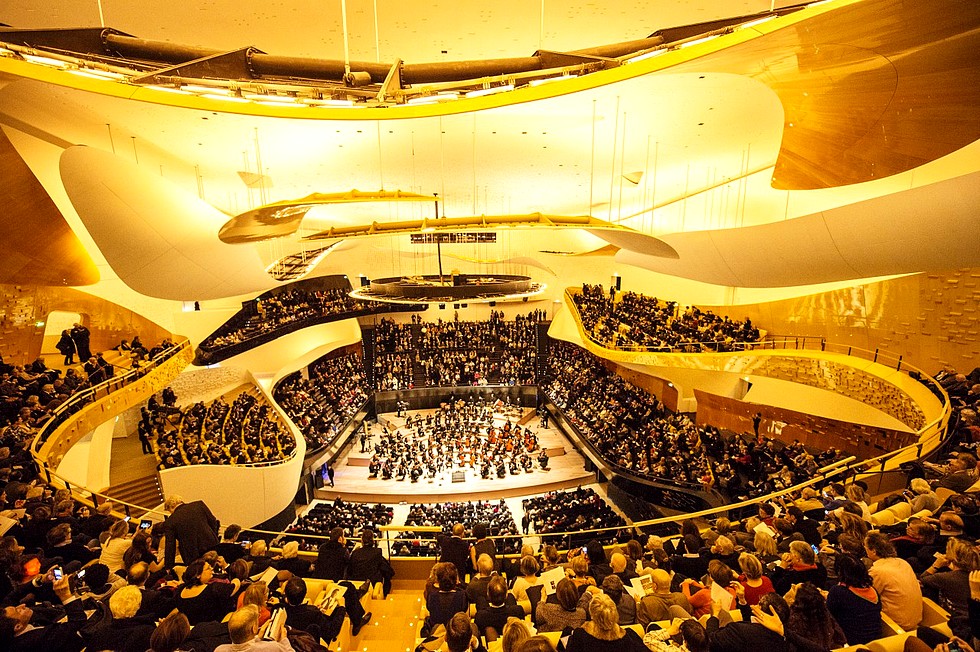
point(529, 577)
point(115, 547)
point(851, 524)
point(756, 584)
point(515, 632)
point(855, 494)
point(765, 547)
point(257, 594)
point(603, 633)
point(952, 588)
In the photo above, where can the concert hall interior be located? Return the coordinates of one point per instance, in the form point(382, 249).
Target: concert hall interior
point(648, 283)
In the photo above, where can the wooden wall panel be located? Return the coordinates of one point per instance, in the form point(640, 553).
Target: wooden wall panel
point(789, 425)
point(932, 320)
point(23, 307)
point(36, 244)
point(869, 90)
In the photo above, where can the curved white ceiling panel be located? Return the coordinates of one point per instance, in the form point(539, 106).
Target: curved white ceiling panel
point(160, 240)
point(924, 229)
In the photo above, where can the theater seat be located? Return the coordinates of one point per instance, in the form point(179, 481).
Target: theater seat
point(889, 627)
point(935, 617)
point(883, 518)
point(901, 510)
point(894, 643)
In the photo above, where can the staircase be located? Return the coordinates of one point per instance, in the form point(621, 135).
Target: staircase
point(145, 492)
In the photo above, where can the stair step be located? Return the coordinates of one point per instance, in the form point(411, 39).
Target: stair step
point(144, 492)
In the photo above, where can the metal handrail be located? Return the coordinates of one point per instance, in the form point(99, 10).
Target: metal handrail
point(87, 395)
point(772, 343)
point(930, 435)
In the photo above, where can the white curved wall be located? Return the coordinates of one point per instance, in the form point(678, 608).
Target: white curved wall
point(296, 349)
point(237, 494)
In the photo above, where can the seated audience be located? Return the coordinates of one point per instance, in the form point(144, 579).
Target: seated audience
point(853, 601)
point(497, 607)
point(895, 582)
point(603, 632)
point(322, 405)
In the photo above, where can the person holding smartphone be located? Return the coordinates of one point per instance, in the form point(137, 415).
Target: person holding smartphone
point(18, 632)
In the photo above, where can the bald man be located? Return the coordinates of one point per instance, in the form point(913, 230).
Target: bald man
point(621, 568)
point(662, 604)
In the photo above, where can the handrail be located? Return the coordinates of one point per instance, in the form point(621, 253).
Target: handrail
point(85, 396)
point(207, 354)
point(770, 343)
point(930, 435)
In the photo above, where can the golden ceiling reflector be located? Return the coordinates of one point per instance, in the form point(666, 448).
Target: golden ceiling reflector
point(283, 218)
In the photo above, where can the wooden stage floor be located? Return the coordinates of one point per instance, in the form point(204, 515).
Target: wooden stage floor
point(566, 469)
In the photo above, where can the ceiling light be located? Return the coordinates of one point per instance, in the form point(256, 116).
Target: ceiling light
point(696, 41)
point(547, 80)
point(99, 74)
point(225, 98)
point(45, 61)
point(647, 55)
point(168, 89)
point(758, 21)
point(490, 91)
point(269, 98)
point(423, 99)
point(214, 90)
point(329, 102)
point(277, 104)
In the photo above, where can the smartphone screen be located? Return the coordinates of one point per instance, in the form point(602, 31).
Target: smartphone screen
point(57, 573)
point(146, 524)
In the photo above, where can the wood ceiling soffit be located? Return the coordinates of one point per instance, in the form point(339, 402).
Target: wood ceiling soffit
point(37, 247)
point(870, 90)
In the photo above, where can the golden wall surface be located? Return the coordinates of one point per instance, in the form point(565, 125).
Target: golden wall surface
point(813, 431)
point(932, 320)
point(24, 308)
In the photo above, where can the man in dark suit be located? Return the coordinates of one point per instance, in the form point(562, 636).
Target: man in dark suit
point(455, 550)
point(499, 607)
point(333, 560)
point(309, 618)
point(192, 526)
point(21, 631)
point(80, 336)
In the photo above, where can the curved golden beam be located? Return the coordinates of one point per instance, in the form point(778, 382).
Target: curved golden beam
point(283, 218)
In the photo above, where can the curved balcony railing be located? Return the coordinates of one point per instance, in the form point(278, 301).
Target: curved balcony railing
point(80, 399)
point(930, 436)
point(773, 344)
